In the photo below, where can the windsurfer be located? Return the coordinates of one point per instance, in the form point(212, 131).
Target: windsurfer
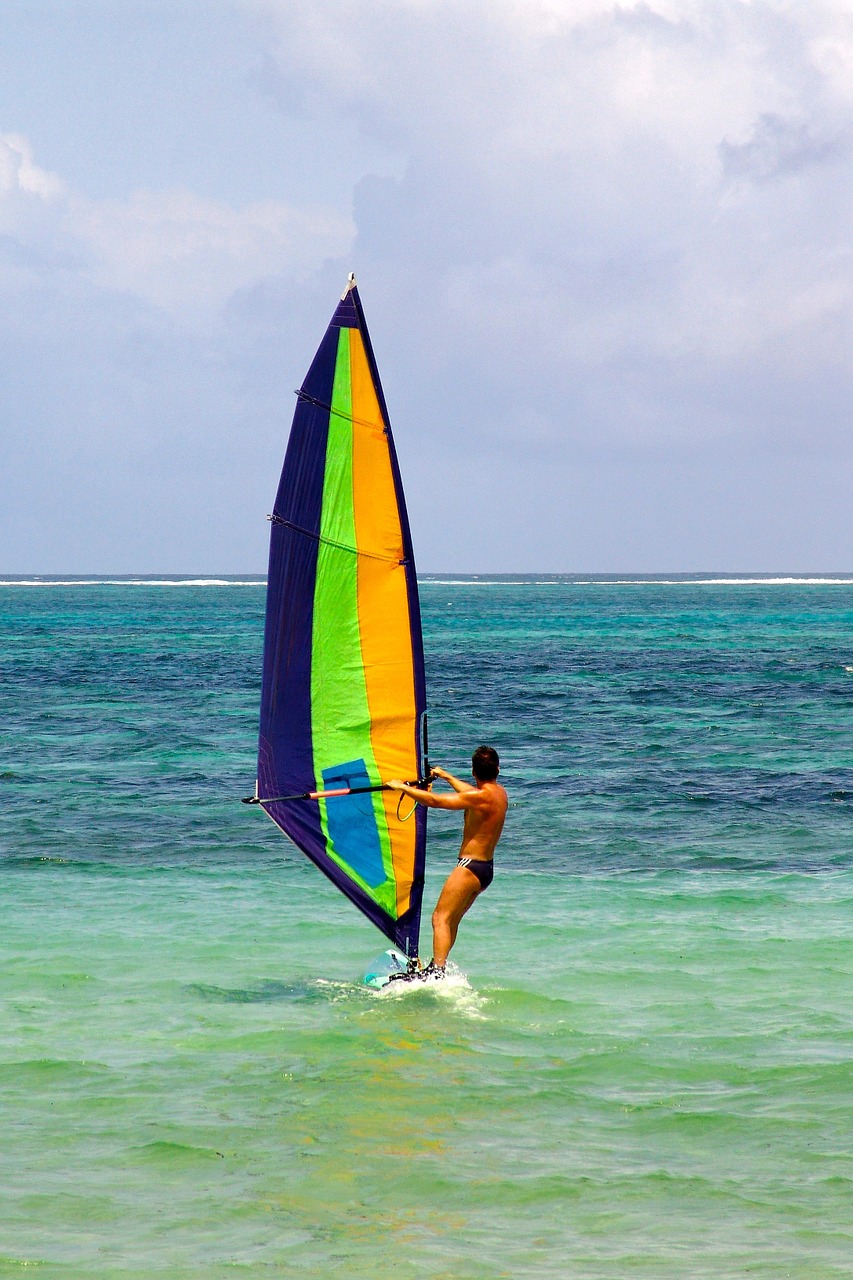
point(484, 806)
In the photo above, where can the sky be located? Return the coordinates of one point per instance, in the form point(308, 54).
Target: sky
point(604, 251)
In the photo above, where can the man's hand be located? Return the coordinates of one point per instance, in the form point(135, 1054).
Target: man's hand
point(394, 784)
point(456, 783)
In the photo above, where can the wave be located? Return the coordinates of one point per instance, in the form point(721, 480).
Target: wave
point(488, 582)
point(534, 580)
point(474, 580)
point(133, 582)
point(724, 582)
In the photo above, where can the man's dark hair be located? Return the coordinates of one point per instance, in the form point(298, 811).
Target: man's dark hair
point(485, 764)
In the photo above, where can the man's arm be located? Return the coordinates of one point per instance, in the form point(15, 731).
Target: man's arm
point(468, 799)
point(455, 783)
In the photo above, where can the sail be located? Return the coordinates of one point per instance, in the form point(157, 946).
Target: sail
point(343, 696)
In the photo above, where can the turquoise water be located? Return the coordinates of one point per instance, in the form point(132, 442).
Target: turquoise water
point(643, 1066)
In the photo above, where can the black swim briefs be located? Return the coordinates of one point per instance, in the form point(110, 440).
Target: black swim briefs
point(483, 868)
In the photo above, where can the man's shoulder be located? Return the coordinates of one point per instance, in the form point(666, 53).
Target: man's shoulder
point(497, 793)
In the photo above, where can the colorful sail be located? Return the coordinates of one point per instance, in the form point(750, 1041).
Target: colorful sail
point(343, 697)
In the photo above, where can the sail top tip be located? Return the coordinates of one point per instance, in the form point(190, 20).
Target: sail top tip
point(350, 285)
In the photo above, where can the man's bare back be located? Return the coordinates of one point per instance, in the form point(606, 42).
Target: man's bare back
point(484, 805)
point(484, 820)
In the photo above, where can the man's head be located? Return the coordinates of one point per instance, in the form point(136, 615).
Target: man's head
point(485, 764)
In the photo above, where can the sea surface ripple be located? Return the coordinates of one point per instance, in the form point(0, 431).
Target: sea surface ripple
point(642, 1065)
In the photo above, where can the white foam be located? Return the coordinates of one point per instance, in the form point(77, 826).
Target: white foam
point(473, 581)
point(131, 582)
point(636, 582)
point(454, 988)
point(735, 581)
point(478, 582)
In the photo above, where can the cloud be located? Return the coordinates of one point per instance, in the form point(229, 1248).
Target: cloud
point(120, 393)
point(566, 201)
point(20, 175)
point(603, 247)
point(778, 147)
point(186, 253)
point(172, 248)
point(33, 205)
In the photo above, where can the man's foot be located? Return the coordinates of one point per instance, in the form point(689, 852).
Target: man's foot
point(432, 973)
point(409, 974)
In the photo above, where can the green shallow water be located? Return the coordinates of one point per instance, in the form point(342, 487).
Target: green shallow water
point(661, 1087)
point(643, 1068)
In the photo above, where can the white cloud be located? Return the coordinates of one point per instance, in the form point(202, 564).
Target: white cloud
point(19, 174)
point(190, 254)
point(171, 248)
point(597, 242)
point(594, 184)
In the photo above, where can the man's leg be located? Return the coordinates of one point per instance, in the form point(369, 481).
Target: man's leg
point(460, 890)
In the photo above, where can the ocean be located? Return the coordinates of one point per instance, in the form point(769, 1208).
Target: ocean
point(642, 1066)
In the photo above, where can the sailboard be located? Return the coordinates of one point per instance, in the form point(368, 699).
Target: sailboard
point(343, 700)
